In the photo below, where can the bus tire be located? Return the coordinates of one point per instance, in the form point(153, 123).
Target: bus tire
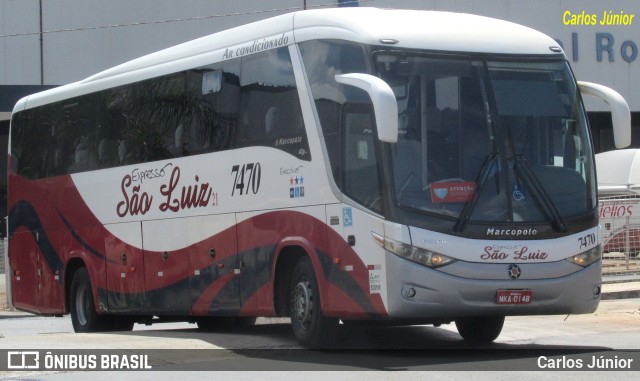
point(310, 327)
point(122, 323)
point(84, 316)
point(480, 330)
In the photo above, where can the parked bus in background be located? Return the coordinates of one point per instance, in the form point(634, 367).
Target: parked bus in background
point(407, 167)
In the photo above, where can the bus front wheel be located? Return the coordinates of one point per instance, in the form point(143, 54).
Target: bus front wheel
point(480, 329)
point(310, 327)
point(83, 312)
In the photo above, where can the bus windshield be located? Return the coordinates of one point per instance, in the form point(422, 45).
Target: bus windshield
point(496, 141)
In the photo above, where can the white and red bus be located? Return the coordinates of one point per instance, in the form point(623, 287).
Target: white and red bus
point(408, 167)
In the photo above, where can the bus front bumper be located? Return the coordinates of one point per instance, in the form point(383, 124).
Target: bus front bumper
point(416, 291)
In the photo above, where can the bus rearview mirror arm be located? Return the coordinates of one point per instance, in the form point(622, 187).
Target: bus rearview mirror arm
point(620, 113)
point(384, 102)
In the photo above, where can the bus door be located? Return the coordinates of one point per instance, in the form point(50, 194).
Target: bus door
point(25, 265)
point(36, 267)
point(258, 234)
point(352, 229)
point(166, 267)
point(214, 281)
point(125, 269)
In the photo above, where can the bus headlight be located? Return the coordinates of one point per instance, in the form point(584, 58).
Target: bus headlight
point(424, 257)
point(588, 257)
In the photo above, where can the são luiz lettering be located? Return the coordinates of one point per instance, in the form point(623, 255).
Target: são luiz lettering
point(609, 18)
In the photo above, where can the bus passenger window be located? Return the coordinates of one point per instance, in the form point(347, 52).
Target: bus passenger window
point(84, 157)
point(361, 180)
point(270, 113)
point(218, 108)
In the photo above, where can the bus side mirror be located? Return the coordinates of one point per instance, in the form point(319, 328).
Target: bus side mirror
point(620, 113)
point(384, 102)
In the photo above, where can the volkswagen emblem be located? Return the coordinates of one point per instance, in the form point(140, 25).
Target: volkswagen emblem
point(514, 271)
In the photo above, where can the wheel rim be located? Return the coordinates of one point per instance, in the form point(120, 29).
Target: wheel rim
point(302, 304)
point(82, 305)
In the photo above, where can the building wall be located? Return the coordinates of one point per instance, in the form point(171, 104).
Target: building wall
point(19, 55)
point(73, 48)
point(83, 37)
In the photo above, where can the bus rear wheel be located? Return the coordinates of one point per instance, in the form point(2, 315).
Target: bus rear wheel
point(480, 330)
point(84, 316)
point(122, 323)
point(310, 327)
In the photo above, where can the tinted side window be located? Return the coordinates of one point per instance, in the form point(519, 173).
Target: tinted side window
point(270, 108)
point(360, 178)
point(196, 111)
point(24, 146)
point(323, 60)
point(186, 113)
point(219, 106)
point(181, 114)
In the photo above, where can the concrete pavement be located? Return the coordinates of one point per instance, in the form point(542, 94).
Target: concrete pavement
point(622, 290)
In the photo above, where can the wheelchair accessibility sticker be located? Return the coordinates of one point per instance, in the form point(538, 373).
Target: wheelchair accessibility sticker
point(347, 217)
point(519, 193)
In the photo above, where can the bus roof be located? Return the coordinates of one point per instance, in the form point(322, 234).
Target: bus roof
point(429, 30)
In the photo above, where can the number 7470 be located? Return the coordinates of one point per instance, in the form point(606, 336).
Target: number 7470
point(247, 178)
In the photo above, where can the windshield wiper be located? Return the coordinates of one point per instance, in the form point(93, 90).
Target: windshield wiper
point(537, 189)
point(470, 205)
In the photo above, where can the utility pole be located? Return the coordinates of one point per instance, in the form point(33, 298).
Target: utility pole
point(41, 48)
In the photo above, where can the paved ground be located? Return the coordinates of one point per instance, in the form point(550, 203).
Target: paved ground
point(623, 290)
point(613, 326)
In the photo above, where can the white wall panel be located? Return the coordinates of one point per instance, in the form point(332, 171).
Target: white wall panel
point(72, 55)
point(19, 55)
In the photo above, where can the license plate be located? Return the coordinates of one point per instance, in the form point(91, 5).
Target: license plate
point(514, 296)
